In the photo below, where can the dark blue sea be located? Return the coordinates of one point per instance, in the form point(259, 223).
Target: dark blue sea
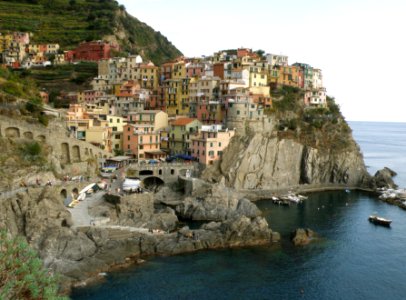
point(354, 260)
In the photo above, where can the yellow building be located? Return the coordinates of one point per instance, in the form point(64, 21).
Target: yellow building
point(148, 76)
point(258, 75)
point(5, 41)
point(157, 118)
point(179, 70)
point(177, 96)
point(285, 75)
point(100, 136)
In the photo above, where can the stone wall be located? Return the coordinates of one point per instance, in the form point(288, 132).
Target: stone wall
point(68, 150)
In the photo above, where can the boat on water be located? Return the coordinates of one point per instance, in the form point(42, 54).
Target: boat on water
point(379, 221)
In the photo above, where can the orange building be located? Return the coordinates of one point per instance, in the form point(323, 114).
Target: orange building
point(142, 142)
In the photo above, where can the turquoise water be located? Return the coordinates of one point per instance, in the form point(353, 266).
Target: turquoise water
point(354, 259)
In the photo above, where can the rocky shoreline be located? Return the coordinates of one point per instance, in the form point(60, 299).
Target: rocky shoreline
point(138, 226)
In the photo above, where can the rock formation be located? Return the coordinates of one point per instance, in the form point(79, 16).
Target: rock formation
point(302, 237)
point(263, 162)
point(383, 179)
point(136, 227)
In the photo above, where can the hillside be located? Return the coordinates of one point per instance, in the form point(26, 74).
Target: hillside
point(69, 22)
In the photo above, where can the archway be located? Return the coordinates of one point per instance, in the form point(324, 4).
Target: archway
point(12, 132)
point(28, 135)
point(76, 153)
point(75, 193)
point(65, 155)
point(41, 138)
point(153, 183)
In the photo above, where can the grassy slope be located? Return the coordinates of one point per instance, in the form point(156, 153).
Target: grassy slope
point(58, 21)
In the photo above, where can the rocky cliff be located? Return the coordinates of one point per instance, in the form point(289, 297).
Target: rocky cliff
point(135, 228)
point(269, 163)
point(306, 147)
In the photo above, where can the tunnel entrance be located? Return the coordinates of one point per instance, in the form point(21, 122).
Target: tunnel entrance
point(153, 183)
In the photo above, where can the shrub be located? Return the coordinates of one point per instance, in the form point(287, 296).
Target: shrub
point(22, 275)
point(43, 119)
point(34, 105)
point(32, 152)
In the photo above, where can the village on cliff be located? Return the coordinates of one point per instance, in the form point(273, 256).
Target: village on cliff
point(187, 107)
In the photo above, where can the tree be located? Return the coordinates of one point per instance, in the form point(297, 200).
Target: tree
point(22, 275)
point(260, 53)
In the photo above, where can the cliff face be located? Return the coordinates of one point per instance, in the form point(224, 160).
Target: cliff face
point(263, 162)
point(298, 147)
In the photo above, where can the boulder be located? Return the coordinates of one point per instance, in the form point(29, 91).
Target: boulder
point(301, 237)
point(383, 179)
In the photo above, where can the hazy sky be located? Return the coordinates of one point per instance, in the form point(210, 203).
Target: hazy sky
point(359, 44)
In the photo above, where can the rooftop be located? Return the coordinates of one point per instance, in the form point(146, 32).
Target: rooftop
point(183, 121)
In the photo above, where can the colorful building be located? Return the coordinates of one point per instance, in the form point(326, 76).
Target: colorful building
point(316, 97)
point(142, 142)
point(210, 143)
point(181, 132)
point(158, 119)
point(94, 51)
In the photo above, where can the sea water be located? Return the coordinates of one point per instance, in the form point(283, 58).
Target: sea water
point(354, 259)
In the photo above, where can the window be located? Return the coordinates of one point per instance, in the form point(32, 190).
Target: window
point(238, 112)
point(219, 144)
point(141, 147)
point(211, 145)
point(128, 138)
point(111, 120)
point(128, 146)
point(128, 128)
point(114, 128)
point(118, 120)
point(211, 153)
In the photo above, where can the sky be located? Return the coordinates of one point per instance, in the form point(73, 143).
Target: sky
point(360, 45)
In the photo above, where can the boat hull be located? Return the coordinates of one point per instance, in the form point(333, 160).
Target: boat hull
point(380, 221)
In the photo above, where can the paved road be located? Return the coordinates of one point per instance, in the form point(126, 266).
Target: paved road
point(80, 213)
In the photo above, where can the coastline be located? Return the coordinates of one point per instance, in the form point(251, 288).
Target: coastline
point(94, 277)
point(256, 195)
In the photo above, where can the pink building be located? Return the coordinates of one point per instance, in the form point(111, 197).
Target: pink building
point(21, 37)
point(195, 70)
point(90, 96)
point(209, 145)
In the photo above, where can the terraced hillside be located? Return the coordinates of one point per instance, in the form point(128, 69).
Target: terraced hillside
point(69, 22)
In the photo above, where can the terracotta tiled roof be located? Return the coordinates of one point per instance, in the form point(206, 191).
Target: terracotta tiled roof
point(182, 121)
point(125, 95)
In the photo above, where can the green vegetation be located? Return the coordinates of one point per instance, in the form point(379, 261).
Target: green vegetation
point(22, 275)
point(12, 84)
point(70, 77)
point(287, 98)
point(19, 96)
point(32, 152)
point(323, 128)
point(69, 22)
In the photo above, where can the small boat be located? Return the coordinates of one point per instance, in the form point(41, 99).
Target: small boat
point(379, 221)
